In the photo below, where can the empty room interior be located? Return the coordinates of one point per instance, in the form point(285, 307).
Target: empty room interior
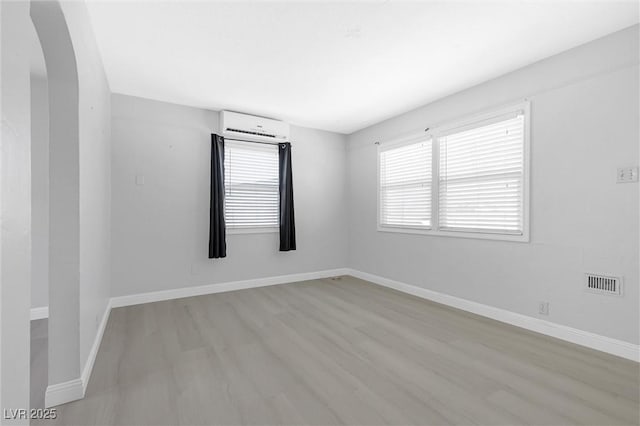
point(320, 212)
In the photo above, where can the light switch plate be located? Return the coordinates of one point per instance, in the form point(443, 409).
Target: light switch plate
point(627, 175)
point(139, 180)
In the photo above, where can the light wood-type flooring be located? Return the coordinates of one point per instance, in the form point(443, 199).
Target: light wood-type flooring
point(342, 351)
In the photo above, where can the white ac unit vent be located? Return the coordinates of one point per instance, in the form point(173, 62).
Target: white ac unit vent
point(234, 124)
point(603, 284)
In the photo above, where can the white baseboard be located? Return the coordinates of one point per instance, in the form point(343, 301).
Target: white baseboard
point(91, 359)
point(72, 390)
point(584, 338)
point(39, 313)
point(64, 392)
point(178, 293)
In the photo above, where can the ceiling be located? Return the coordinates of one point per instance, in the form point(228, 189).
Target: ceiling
point(338, 66)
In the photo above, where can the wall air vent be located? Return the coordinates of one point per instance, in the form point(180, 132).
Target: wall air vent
point(248, 132)
point(603, 284)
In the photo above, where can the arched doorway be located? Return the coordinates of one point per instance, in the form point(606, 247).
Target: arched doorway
point(64, 205)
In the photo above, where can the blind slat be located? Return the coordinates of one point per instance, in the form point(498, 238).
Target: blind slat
point(251, 185)
point(405, 185)
point(481, 178)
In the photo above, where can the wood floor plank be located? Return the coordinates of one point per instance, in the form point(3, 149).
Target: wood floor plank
point(332, 352)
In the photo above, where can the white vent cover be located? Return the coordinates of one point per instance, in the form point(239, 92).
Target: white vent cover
point(234, 124)
point(603, 284)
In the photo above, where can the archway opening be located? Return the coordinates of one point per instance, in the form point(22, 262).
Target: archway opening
point(63, 275)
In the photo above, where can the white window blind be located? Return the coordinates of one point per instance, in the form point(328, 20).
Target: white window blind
point(251, 185)
point(481, 177)
point(405, 186)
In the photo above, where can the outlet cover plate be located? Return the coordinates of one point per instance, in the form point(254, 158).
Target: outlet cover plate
point(627, 175)
point(543, 308)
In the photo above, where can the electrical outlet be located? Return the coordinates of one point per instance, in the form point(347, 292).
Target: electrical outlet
point(627, 175)
point(543, 308)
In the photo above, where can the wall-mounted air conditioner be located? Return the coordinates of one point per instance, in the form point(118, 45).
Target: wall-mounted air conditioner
point(244, 126)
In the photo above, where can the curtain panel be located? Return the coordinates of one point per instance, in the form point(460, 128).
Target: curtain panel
point(217, 228)
point(287, 217)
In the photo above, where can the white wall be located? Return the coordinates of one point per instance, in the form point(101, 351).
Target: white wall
point(95, 175)
point(161, 229)
point(39, 191)
point(51, 26)
point(15, 207)
point(80, 179)
point(584, 117)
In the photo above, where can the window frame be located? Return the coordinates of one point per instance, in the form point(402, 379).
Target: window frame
point(235, 230)
point(469, 121)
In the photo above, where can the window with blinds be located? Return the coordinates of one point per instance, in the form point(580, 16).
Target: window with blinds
point(405, 186)
point(481, 177)
point(251, 185)
point(468, 179)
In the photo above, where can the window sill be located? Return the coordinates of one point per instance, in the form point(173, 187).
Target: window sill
point(266, 230)
point(524, 238)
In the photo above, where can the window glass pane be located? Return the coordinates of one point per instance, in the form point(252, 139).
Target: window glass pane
point(405, 186)
point(481, 178)
point(251, 185)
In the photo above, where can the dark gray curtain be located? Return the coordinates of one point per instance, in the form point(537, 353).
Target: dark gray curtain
point(287, 219)
point(217, 230)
